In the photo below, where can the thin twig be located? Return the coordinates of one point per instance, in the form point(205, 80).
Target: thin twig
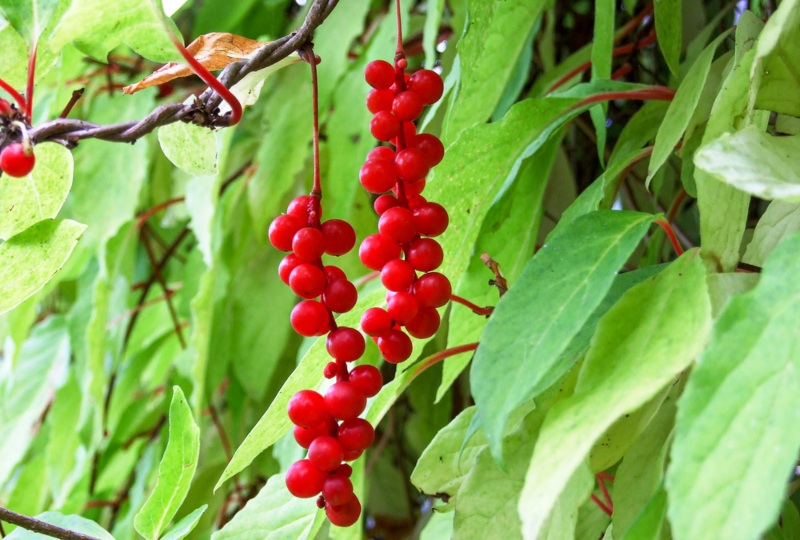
point(163, 282)
point(38, 526)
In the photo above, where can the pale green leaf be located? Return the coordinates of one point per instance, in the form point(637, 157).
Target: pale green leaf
point(189, 147)
point(669, 26)
point(520, 356)
point(186, 525)
point(75, 523)
point(779, 220)
point(775, 76)
point(682, 107)
point(433, 17)
point(38, 195)
point(274, 514)
point(602, 46)
point(440, 525)
point(26, 388)
point(29, 18)
point(754, 162)
point(98, 26)
point(650, 521)
point(175, 471)
point(736, 442)
point(14, 60)
point(641, 344)
point(31, 259)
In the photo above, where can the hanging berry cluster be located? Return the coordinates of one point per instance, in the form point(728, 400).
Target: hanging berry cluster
point(404, 245)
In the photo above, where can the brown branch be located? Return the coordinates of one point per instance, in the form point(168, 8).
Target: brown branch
point(163, 282)
point(38, 526)
point(204, 111)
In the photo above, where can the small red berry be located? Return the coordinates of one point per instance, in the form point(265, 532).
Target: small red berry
point(17, 160)
point(345, 344)
point(384, 126)
point(384, 202)
point(375, 322)
point(307, 409)
point(305, 436)
point(395, 346)
point(411, 164)
point(337, 489)
point(344, 515)
point(428, 84)
point(425, 254)
point(367, 378)
point(304, 480)
point(379, 74)
point(356, 434)
point(310, 318)
point(345, 401)
point(402, 307)
point(430, 219)
point(339, 237)
point(308, 244)
point(378, 175)
point(397, 275)
point(381, 152)
point(431, 146)
point(299, 207)
point(432, 290)
point(340, 296)
point(376, 250)
point(325, 453)
point(282, 231)
point(380, 100)
point(307, 280)
point(424, 324)
point(407, 106)
point(397, 224)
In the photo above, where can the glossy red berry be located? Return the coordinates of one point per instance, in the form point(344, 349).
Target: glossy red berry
point(339, 236)
point(366, 378)
point(402, 307)
point(397, 275)
point(307, 280)
point(326, 453)
point(282, 231)
point(305, 436)
point(310, 318)
point(411, 164)
point(384, 202)
point(340, 296)
point(379, 74)
point(331, 370)
point(407, 105)
point(308, 244)
point(286, 266)
point(395, 346)
point(344, 400)
point(424, 324)
point(17, 160)
point(432, 290)
point(345, 344)
point(430, 219)
point(333, 273)
point(344, 515)
point(5, 107)
point(384, 126)
point(428, 84)
point(376, 250)
point(397, 224)
point(431, 147)
point(307, 409)
point(304, 480)
point(356, 434)
point(380, 100)
point(425, 254)
point(337, 489)
point(299, 207)
point(375, 322)
point(381, 152)
point(378, 175)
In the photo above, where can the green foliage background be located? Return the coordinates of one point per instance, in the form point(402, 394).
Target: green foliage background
point(136, 402)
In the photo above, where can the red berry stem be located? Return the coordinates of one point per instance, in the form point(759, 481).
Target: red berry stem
point(29, 89)
point(673, 239)
point(14, 94)
point(606, 510)
point(488, 310)
point(399, 53)
point(316, 191)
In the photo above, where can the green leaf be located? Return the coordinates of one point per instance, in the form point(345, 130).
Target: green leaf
point(669, 26)
point(74, 523)
point(602, 46)
point(433, 18)
point(520, 356)
point(175, 471)
point(31, 259)
point(274, 514)
point(99, 26)
point(487, 64)
point(641, 344)
point(26, 388)
point(754, 162)
point(39, 195)
point(186, 525)
point(191, 148)
point(682, 107)
point(778, 221)
point(739, 412)
point(440, 525)
point(775, 76)
point(29, 18)
point(650, 521)
point(14, 60)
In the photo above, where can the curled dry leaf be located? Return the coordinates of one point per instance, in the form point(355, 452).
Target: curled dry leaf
point(215, 51)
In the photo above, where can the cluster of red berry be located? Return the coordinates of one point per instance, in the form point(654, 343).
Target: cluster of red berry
point(317, 418)
point(404, 243)
point(17, 158)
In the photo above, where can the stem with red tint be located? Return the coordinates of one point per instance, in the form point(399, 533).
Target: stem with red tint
point(474, 307)
point(14, 94)
point(671, 235)
point(29, 89)
point(441, 355)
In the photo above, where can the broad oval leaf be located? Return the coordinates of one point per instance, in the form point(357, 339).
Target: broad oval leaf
point(189, 147)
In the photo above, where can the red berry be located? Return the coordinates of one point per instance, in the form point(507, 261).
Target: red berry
point(345, 344)
point(286, 266)
point(282, 231)
point(325, 453)
point(304, 480)
point(411, 164)
point(345, 401)
point(305, 436)
point(430, 219)
point(395, 346)
point(18, 160)
point(356, 434)
point(381, 152)
point(407, 106)
point(310, 318)
point(345, 470)
point(308, 244)
point(299, 207)
point(331, 370)
point(345, 514)
point(333, 273)
point(378, 175)
point(307, 280)
point(366, 378)
point(376, 250)
point(414, 188)
point(425, 254)
point(375, 322)
point(340, 296)
point(424, 324)
point(379, 74)
point(384, 202)
point(402, 307)
point(431, 146)
point(380, 100)
point(339, 237)
point(384, 126)
point(5, 107)
point(397, 275)
point(409, 132)
point(397, 224)
point(415, 200)
point(337, 489)
point(352, 455)
point(428, 84)
point(432, 290)
point(307, 409)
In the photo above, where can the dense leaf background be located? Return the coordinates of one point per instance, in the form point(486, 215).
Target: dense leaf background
point(146, 357)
